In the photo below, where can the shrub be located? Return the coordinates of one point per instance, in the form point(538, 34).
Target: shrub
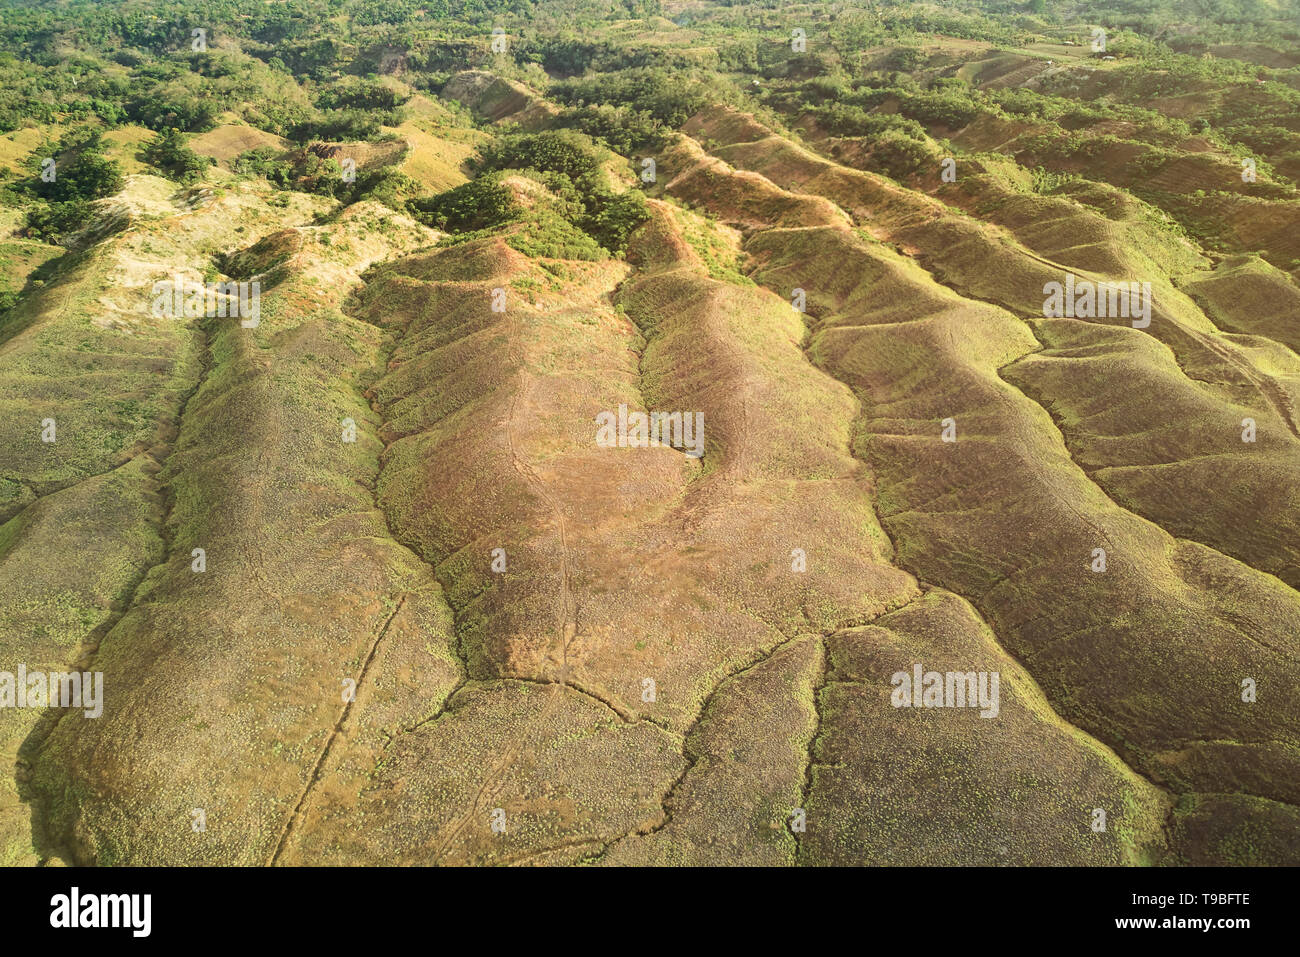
point(622, 128)
point(265, 161)
point(359, 96)
point(566, 152)
point(482, 203)
point(83, 172)
point(616, 218)
point(160, 110)
point(336, 125)
point(669, 97)
point(168, 152)
point(386, 185)
point(51, 222)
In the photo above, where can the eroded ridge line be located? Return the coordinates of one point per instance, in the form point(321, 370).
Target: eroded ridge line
point(691, 759)
point(974, 603)
point(161, 456)
point(298, 810)
point(819, 725)
point(568, 623)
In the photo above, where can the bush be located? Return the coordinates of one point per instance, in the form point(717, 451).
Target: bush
point(359, 96)
point(622, 128)
point(389, 186)
point(566, 152)
point(265, 161)
point(51, 222)
point(168, 153)
point(904, 59)
point(845, 119)
point(82, 172)
point(90, 176)
point(482, 203)
point(669, 97)
point(552, 237)
point(949, 107)
point(337, 125)
point(898, 155)
point(161, 111)
point(616, 218)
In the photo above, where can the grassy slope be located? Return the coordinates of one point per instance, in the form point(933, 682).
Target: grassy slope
point(302, 582)
point(942, 505)
point(523, 691)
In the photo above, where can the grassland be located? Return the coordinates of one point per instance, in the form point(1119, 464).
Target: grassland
point(367, 587)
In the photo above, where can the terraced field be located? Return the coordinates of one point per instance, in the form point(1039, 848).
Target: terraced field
point(921, 572)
